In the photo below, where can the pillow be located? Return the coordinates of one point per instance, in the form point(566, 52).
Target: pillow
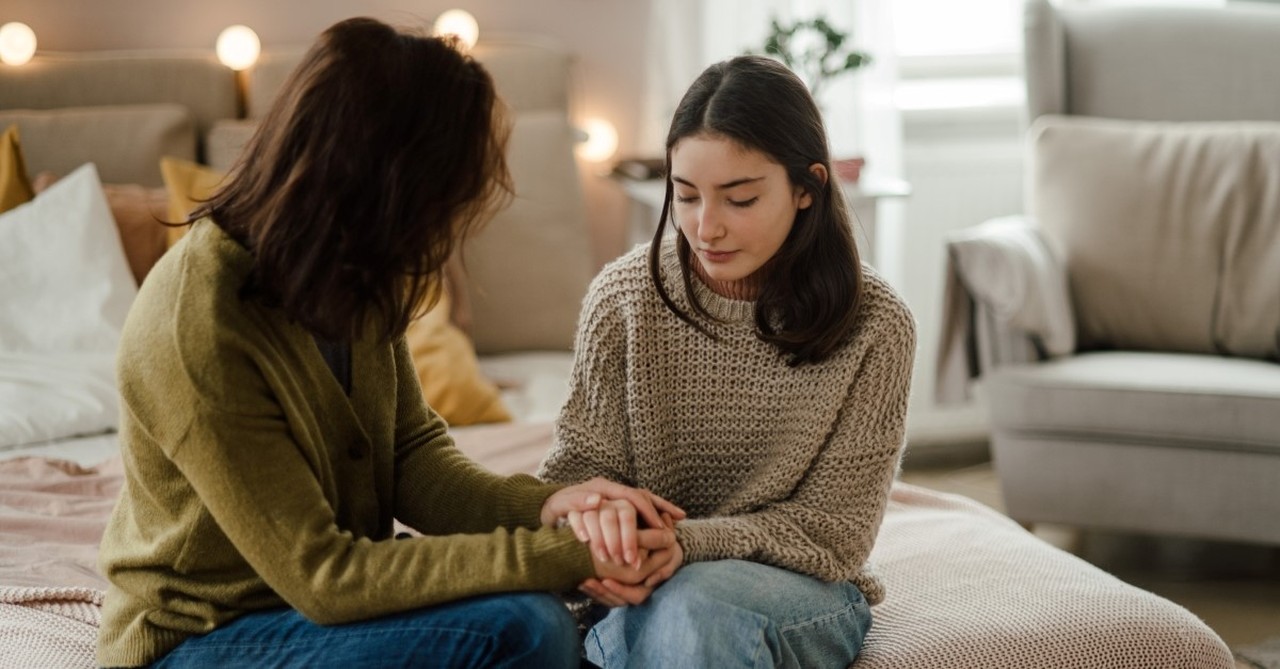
point(448, 372)
point(1168, 231)
point(189, 185)
point(65, 286)
point(125, 142)
point(138, 212)
point(15, 187)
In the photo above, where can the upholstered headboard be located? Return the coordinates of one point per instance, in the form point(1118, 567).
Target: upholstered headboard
point(119, 110)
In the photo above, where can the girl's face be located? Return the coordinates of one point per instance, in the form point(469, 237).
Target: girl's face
point(734, 205)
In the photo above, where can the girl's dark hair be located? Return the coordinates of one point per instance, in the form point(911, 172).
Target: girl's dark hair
point(382, 150)
point(808, 302)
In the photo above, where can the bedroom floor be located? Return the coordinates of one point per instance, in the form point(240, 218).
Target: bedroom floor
point(1234, 588)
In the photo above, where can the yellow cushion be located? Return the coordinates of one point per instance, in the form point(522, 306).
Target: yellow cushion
point(189, 185)
point(15, 187)
point(448, 371)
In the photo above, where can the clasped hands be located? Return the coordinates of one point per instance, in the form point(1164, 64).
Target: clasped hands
point(631, 536)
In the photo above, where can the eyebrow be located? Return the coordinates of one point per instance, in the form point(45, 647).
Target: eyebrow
point(724, 186)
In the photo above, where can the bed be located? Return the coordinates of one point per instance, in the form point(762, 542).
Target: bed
point(967, 587)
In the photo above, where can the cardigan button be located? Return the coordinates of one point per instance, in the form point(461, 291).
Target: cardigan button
point(355, 451)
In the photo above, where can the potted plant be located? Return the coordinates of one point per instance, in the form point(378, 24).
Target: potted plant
point(817, 52)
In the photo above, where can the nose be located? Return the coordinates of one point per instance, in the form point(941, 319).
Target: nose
point(710, 225)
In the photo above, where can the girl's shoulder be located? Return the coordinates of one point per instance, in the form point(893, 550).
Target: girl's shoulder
point(626, 275)
point(883, 312)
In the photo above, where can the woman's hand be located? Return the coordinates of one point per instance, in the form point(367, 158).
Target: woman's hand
point(608, 515)
point(613, 592)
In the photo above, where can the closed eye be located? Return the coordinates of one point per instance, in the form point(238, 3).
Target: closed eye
point(685, 200)
point(744, 203)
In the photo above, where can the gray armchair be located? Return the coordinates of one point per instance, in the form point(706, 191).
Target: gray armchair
point(1127, 332)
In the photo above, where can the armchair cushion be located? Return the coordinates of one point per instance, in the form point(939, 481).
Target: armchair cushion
point(1170, 399)
point(1168, 230)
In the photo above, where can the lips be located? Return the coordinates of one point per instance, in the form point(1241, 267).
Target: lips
point(717, 256)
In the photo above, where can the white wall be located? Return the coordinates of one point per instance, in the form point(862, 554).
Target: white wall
point(608, 36)
point(964, 166)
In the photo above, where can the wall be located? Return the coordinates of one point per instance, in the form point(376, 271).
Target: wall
point(608, 37)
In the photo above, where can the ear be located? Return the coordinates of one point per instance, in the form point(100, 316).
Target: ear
point(806, 199)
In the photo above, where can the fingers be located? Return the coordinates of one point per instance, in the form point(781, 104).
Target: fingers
point(610, 533)
point(655, 539)
point(594, 589)
point(633, 595)
point(639, 499)
point(666, 571)
point(627, 534)
point(579, 526)
point(566, 500)
point(591, 521)
point(665, 507)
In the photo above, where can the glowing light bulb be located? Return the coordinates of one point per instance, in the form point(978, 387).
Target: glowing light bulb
point(601, 141)
point(238, 47)
point(17, 43)
point(460, 23)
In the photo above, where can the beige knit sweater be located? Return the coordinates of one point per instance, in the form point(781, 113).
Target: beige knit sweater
point(784, 466)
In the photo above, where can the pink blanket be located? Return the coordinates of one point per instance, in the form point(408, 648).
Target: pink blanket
point(967, 587)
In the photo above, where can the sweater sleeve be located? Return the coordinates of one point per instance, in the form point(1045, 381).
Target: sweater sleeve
point(259, 490)
point(826, 528)
point(590, 434)
point(439, 490)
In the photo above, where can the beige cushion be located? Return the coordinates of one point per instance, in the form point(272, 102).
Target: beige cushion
point(124, 142)
point(1168, 230)
point(529, 268)
point(1168, 399)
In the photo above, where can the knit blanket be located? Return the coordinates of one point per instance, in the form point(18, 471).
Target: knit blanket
point(966, 586)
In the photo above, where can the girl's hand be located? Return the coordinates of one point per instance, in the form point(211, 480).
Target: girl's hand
point(587, 496)
point(612, 592)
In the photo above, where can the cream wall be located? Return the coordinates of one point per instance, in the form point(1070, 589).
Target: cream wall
point(607, 36)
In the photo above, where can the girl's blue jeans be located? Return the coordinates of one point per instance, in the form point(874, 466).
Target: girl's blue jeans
point(732, 613)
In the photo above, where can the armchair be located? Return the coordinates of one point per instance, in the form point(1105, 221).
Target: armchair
point(1127, 332)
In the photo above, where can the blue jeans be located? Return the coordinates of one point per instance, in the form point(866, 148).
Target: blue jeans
point(732, 613)
point(511, 630)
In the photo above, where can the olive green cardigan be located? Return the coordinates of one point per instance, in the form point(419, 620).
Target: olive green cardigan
point(254, 481)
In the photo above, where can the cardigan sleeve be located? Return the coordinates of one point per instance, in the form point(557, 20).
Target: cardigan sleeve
point(826, 528)
point(439, 490)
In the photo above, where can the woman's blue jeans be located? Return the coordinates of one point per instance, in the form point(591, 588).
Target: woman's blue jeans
point(512, 630)
point(732, 613)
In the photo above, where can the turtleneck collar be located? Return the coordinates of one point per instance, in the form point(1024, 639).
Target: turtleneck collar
point(735, 305)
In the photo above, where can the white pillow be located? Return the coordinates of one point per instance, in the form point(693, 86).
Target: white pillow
point(65, 289)
point(65, 285)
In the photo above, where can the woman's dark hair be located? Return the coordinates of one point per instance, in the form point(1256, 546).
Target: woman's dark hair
point(808, 302)
point(382, 150)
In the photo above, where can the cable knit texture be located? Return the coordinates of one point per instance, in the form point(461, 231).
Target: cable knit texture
point(780, 465)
